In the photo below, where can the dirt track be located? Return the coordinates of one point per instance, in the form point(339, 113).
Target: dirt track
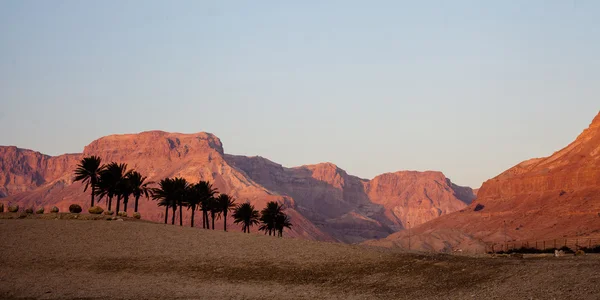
point(63, 259)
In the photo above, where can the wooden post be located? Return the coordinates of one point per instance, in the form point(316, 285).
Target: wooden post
point(536, 245)
point(554, 244)
point(544, 245)
point(589, 243)
point(565, 242)
point(493, 249)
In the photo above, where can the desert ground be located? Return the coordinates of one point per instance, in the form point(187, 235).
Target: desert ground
point(97, 259)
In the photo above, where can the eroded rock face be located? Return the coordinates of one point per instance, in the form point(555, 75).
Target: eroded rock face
point(353, 209)
point(324, 202)
point(24, 170)
point(417, 197)
point(542, 198)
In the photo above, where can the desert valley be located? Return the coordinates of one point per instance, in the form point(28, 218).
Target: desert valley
point(387, 218)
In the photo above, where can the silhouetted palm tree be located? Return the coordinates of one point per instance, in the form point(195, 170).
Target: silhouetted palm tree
point(282, 221)
point(165, 193)
point(268, 216)
point(247, 215)
point(139, 187)
point(224, 203)
point(194, 197)
point(181, 188)
point(111, 182)
point(88, 171)
point(206, 192)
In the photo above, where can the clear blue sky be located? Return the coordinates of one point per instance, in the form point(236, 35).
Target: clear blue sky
point(469, 88)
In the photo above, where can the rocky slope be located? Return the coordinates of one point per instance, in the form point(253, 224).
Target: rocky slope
point(325, 202)
point(543, 198)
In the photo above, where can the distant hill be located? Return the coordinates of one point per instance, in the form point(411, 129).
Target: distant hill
point(324, 202)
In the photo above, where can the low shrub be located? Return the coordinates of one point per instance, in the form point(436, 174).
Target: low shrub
point(75, 208)
point(137, 215)
point(13, 208)
point(1, 207)
point(54, 209)
point(39, 211)
point(29, 210)
point(122, 214)
point(109, 212)
point(96, 210)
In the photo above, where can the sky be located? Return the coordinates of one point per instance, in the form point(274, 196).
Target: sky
point(469, 88)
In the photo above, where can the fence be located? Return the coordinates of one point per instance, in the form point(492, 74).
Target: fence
point(574, 244)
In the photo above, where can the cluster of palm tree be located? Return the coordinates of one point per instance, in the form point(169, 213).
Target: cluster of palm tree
point(114, 180)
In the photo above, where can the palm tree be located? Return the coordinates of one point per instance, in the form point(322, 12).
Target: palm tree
point(213, 207)
point(111, 182)
point(181, 188)
point(282, 221)
point(193, 198)
point(139, 187)
point(206, 192)
point(268, 216)
point(165, 194)
point(247, 215)
point(224, 204)
point(88, 171)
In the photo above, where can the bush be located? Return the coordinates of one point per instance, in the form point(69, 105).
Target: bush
point(478, 207)
point(54, 209)
point(137, 215)
point(13, 208)
point(39, 211)
point(566, 249)
point(29, 210)
point(595, 249)
point(96, 210)
point(579, 253)
point(1, 207)
point(122, 214)
point(75, 208)
point(109, 212)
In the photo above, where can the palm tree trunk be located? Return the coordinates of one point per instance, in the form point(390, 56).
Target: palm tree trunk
point(224, 221)
point(180, 213)
point(203, 221)
point(136, 203)
point(193, 213)
point(212, 215)
point(166, 213)
point(173, 216)
point(93, 190)
point(109, 202)
point(125, 202)
point(118, 203)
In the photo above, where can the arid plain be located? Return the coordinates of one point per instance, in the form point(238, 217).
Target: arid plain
point(84, 259)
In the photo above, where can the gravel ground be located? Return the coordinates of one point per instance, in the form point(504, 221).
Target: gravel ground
point(97, 259)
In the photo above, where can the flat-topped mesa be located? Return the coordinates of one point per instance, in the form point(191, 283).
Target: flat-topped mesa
point(417, 197)
point(154, 143)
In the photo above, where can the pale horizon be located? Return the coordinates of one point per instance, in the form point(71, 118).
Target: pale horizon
point(466, 88)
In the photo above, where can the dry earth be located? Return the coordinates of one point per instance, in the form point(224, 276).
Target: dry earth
point(87, 259)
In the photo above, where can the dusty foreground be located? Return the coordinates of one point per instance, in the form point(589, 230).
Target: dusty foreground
point(65, 259)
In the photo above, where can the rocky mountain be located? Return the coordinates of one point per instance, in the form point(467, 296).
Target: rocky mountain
point(542, 198)
point(324, 202)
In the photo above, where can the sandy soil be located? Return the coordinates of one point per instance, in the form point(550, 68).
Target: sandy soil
point(86, 259)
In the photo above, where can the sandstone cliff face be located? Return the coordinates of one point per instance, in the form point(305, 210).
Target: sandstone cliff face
point(325, 202)
point(543, 198)
point(353, 209)
point(24, 170)
point(417, 197)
